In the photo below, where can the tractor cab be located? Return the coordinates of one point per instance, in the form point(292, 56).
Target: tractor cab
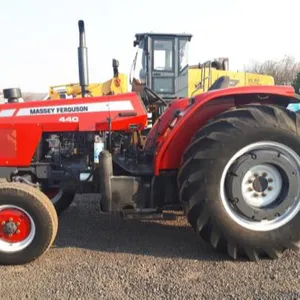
point(159, 60)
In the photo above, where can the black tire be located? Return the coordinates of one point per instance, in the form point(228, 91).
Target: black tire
point(61, 204)
point(201, 172)
point(61, 201)
point(36, 205)
point(64, 202)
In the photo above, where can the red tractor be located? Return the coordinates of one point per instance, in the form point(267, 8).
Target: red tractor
point(229, 158)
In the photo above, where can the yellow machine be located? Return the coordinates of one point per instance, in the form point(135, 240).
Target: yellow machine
point(161, 64)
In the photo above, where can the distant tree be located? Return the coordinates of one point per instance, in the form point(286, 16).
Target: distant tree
point(284, 71)
point(296, 83)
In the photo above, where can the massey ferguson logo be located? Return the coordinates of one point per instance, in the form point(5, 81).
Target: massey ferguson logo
point(58, 110)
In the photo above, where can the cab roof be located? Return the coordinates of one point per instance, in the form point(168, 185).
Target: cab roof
point(141, 36)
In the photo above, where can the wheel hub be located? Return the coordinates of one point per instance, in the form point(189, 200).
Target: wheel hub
point(260, 186)
point(10, 228)
point(262, 183)
point(15, 225)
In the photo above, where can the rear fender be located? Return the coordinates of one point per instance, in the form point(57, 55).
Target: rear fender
point(206, 106)
point(164, 121)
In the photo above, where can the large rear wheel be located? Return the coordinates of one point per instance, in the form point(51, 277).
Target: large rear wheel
point(239, 182)
point(28, 223)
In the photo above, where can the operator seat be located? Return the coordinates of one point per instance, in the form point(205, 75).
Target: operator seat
point(138, 87)
point(221, 83)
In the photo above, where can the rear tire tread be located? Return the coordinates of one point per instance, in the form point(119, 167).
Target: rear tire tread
point(218, 130)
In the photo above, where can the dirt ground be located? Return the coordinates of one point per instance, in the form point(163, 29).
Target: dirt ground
point(101, 257)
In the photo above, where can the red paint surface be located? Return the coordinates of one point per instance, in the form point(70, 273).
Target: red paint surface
point(174, 141)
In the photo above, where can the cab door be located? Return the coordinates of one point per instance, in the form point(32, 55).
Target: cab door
point(163, 66)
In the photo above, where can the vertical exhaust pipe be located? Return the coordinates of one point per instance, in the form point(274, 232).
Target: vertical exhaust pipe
point(83, 60)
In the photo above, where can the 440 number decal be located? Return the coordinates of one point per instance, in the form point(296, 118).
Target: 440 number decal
point(73, 119)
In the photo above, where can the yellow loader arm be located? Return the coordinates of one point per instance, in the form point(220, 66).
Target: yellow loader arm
point(116, 85)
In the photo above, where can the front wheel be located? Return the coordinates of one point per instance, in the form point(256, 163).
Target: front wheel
point(28, 223)
point(239, 182)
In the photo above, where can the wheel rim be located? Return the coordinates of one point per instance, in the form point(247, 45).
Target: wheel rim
point(54, 194)
point(17, 228)
point(259, 186)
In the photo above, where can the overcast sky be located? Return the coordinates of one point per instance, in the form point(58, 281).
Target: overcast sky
point(39, 39)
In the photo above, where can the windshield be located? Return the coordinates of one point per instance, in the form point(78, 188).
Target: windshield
point(183, 54)
point(139, 64)
point(163, 55)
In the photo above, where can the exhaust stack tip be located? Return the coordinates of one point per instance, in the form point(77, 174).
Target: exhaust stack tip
point(83, 60)
point(81, 24)
point(82, 42)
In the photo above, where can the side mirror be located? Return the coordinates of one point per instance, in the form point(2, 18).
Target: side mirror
point(115, 64)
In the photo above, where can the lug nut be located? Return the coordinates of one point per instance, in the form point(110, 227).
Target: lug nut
point(255, 195)
point(250, 189)
point(265, 174)
point(235, 200)
point(264, 194)
point(3, 223)
point(18, 223)
point(249, 181)
point(270, 188)
point(10, 219)
point(18, 231)
point(10, 235)
point(270, 180)
point(255, 175)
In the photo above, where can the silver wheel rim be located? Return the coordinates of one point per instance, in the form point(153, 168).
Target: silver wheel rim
point(57, 197)
point(271, 170)
point(18, 246)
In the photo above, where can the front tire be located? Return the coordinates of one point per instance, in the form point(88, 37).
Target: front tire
point(60, 199)
point(28, 223)
point(239, 182)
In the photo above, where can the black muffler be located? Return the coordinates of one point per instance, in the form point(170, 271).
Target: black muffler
point(83, 60)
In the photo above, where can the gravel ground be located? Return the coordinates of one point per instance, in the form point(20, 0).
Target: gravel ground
point(101, 257)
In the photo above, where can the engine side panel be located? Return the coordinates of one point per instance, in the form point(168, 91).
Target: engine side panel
point(206, 106)
point(22, 124)
point(18, 144)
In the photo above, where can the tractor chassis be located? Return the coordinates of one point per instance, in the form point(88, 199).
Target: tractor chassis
point(127, 186)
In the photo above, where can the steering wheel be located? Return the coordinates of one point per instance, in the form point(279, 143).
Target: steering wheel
point(152, 94)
